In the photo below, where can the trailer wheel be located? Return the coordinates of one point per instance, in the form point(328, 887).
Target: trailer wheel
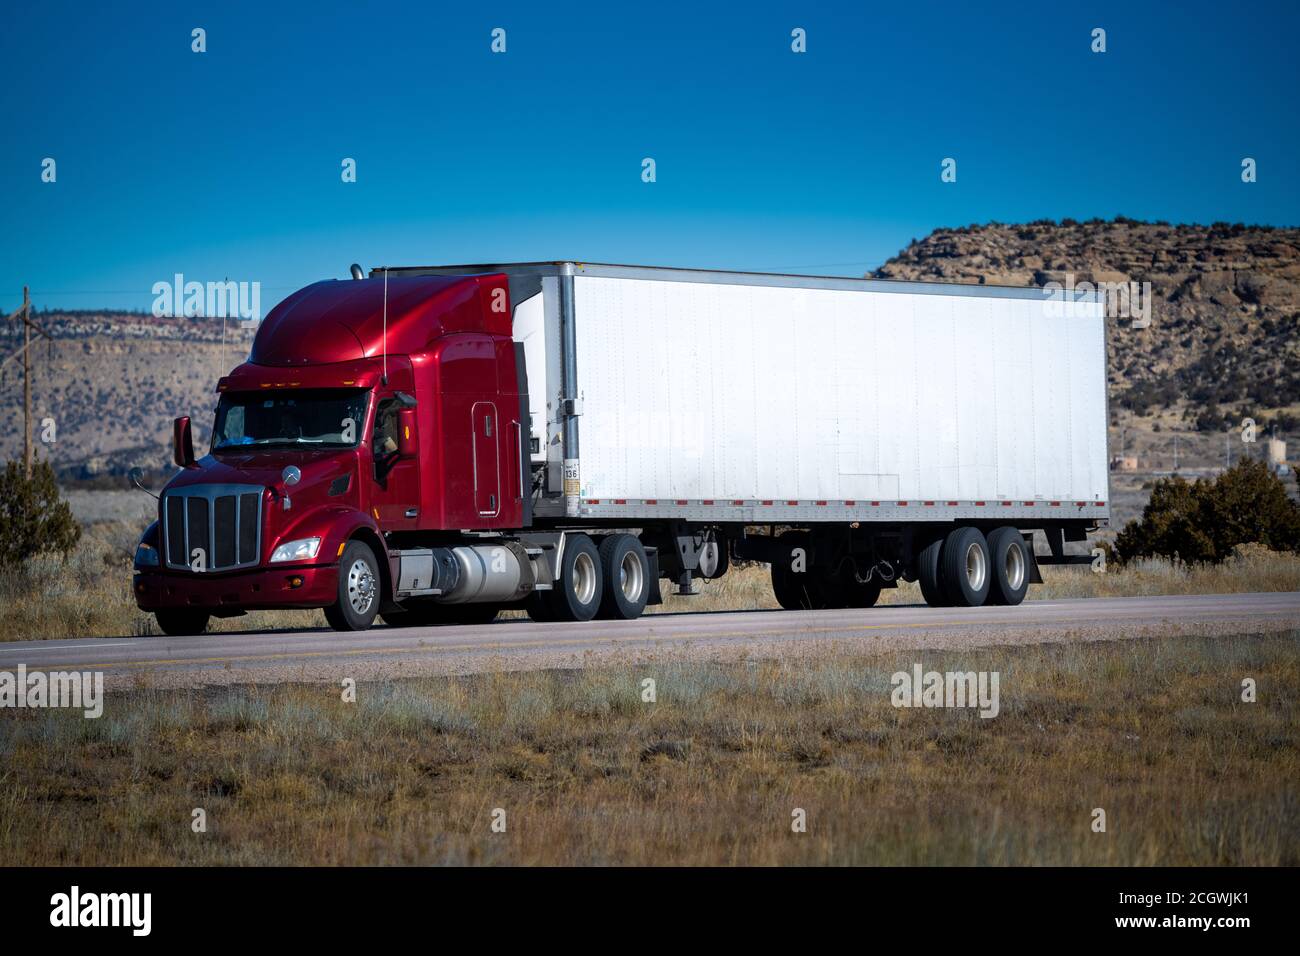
point(1009, 557)
point(927, 574)
point(964, 567)
point(850, 592)
point(182, 622)
point(627, 577)
point(577, 592)
point(797, 590)
point(359, 589)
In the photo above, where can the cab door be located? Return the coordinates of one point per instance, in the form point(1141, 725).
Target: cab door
point(395, 481)
point(486, 459)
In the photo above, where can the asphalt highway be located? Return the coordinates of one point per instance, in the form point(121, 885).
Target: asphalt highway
point(383, 652)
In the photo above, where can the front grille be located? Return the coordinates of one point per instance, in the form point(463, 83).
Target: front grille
point(212, 527)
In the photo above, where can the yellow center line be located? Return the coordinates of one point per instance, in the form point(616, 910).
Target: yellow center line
point(496, 645)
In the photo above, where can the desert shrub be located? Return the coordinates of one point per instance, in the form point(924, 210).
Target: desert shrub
point(1205, 520)
point(33, 520)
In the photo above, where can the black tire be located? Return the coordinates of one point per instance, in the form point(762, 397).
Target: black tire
point(182, 622)
point(965, 567)
point(1009, 558)
point(850, 592)
point(401, 618)
point(626, 572)
point(797, 590)
point(359, 592)
point(538, 606)
point(474, 613)
point(578, 587)
point(433, 614)
point(928, 576)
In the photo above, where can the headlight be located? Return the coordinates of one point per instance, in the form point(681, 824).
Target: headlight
point(145, 556)
point(304, 549)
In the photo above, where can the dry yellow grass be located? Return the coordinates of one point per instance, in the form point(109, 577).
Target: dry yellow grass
point(1154, 732)
point(89, 595)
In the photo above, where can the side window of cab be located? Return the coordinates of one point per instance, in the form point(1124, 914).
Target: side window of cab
point(384, 442)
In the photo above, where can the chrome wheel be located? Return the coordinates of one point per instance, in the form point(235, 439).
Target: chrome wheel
point(361, 586)
point(584, 578)
point(1015, 568)
point(631, 576)
point(976, 567)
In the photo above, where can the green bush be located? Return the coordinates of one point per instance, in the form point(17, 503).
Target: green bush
point(33, 520)
point(1204, 520)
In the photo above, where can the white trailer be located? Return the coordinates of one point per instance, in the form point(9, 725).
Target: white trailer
point(899, 429)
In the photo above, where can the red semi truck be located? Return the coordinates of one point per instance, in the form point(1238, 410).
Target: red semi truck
point(407, 445)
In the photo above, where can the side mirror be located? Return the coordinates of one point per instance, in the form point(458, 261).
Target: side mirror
point(406, 432)
point(183, 442)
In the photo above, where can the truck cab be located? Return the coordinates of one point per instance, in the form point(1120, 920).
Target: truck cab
point(369, 413)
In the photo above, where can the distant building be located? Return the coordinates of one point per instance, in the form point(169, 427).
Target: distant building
point(1275, 449)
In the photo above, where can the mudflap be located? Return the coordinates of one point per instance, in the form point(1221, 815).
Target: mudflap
point(652, 558)
point(1035, 575)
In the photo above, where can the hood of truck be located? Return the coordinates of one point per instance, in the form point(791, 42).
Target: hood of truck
point(265, 467)
point(348, 320)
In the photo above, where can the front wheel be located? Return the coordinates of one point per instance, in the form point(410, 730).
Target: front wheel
point(358, 591)
point(182, 622)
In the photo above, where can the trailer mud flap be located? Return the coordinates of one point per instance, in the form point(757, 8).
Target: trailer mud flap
point(652, 559)
point(1035, 575)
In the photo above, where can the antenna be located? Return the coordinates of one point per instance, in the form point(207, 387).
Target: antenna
point(385, 374)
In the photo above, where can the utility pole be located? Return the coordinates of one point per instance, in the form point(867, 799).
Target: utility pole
point(1175, 453)
point(24, 312)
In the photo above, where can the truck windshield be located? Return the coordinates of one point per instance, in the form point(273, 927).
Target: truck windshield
point(329, 418)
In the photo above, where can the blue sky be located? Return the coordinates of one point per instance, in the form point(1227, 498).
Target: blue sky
point(227, 163)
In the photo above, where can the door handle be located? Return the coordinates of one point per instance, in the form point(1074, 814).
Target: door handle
point(519, 447)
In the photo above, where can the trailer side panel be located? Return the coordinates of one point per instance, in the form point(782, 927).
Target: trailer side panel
point(842, 403)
